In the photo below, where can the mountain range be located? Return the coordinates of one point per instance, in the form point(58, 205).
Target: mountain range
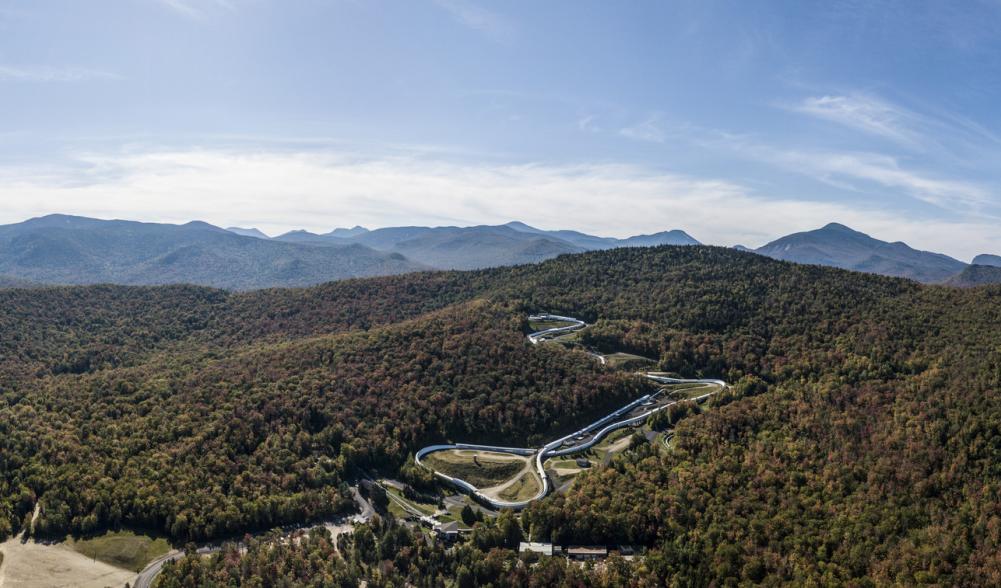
point(481, 246)
point(61, 249)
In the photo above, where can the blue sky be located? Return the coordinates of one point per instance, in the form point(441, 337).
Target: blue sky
point(736, 121)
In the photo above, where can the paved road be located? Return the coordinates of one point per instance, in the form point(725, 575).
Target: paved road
point(633, 413)
point(153, 569)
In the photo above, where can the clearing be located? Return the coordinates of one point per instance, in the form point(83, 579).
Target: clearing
point(39, 565)
point(523, 488)
point(480, 468)
point(122, 549)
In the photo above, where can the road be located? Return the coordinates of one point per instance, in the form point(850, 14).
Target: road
point(633, 413)
point(152, 570)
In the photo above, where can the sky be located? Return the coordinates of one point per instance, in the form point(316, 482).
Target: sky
point(735, 121)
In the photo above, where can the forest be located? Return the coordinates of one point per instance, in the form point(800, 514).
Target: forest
point(860, 446)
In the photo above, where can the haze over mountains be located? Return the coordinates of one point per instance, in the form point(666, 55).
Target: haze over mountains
point(481, 246)
point(61, 249)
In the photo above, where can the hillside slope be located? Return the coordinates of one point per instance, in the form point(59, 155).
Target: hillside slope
point(976, 275)
point(858, 446)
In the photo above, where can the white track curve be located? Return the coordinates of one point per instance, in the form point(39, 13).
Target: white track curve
point(600, 428)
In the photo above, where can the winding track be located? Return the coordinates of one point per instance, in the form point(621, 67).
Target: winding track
point(635, 412)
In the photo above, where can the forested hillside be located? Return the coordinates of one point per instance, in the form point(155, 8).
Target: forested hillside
point(861, 445)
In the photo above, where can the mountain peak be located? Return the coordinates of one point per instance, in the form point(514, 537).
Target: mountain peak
point(251, 232)
point(987, 259)
point(346, 233)
point(840, 246)
point(839, 227)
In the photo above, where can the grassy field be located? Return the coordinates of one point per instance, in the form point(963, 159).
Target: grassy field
point(400, 512)
point(543, 325)
point(628, 361)
point(526, 487)
point(480, 468)
point(122, 549)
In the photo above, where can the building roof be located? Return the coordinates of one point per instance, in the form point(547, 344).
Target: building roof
point(543, 548)
point(587, 550)
point(449, 527)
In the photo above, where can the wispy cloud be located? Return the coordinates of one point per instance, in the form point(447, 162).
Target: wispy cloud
point(867, 114)
point(478, 18)
point(587, 123)
point(853, 170)
point(195, 9)
point(280, 190)
point(44, 73)
point(647, 130)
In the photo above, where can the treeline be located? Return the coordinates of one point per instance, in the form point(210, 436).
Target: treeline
point(199, 444)
point(385, 554)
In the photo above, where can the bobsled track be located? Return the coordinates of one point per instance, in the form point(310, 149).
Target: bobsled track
point(633, 413)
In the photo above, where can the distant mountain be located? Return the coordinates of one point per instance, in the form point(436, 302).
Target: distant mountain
point(466, 247)
point(839, 246)
point(744, 249)
point(9, 282)
point(590, 242)
point(61, 249)
point(976, 275)
point(482, 246)
point(248, 232)
point(986, 259)
point(305, 237)
point(346, 233)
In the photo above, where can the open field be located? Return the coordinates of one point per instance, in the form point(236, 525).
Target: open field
point(39, 565)
point(425, 509)
point(628, 361)
point(480, 468)
point(122, 549)
point(523, 488)
point(543, 325)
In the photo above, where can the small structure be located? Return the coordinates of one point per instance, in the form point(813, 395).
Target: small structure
point(587, 552)
point(583, 463)
point(447, 531)
point(539, 548)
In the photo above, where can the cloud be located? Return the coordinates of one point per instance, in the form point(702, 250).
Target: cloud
point(865, 113)
point(478, 18)
point(648, 130)
point(587, 123)
point(853, 169)
point(318, 190)
point(189, 9)
point(44, 73)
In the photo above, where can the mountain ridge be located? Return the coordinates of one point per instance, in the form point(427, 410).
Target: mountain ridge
point(840, 246)
point(63, 249)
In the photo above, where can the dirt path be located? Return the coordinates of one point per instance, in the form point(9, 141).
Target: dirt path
point(494, 491)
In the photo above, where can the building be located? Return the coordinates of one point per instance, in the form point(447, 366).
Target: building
point(587, 552)
point(539, 548)
point(447, 531)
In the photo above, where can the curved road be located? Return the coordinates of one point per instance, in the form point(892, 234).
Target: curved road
point(146, 577)
point(635, 412)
